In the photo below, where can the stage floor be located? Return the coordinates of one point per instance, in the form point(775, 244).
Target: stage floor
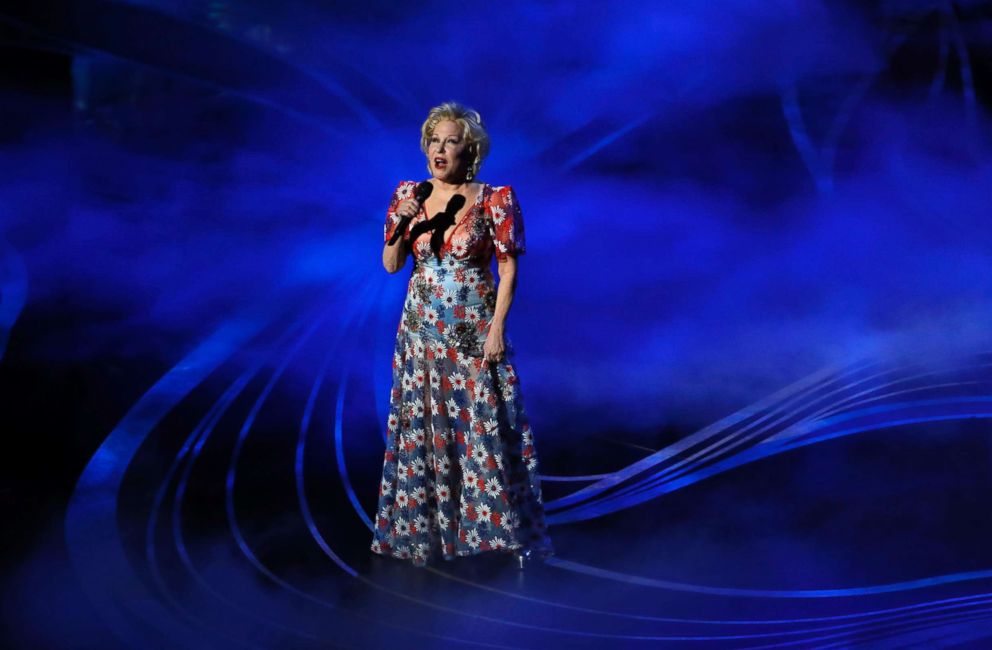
point(231, 507)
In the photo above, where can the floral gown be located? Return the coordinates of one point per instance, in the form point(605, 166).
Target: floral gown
point(460, 470)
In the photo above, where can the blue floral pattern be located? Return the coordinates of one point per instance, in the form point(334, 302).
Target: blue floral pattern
point(460, 473)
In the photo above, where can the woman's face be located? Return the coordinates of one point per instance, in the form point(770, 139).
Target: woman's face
point(447, 153)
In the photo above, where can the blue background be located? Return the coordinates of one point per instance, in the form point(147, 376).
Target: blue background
point(726, 204)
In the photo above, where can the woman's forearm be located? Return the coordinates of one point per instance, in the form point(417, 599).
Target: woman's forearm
point(504, 293)
point(394, 256)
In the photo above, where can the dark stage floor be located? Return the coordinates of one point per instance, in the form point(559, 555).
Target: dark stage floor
point(231, 506)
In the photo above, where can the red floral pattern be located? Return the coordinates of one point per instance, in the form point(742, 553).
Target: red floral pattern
point(460, 472)
point(493, 225)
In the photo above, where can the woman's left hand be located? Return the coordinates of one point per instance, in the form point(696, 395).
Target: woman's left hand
point(494, 348)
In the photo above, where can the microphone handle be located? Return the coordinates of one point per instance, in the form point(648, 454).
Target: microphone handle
point(400, 229)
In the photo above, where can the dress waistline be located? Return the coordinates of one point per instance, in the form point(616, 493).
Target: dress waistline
point(449, 265)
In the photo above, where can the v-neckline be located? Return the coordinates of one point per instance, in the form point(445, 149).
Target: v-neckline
point(464, 218)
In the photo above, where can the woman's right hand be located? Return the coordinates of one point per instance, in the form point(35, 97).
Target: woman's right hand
point(407, 208)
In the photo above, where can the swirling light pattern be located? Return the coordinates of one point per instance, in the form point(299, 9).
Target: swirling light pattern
point(777, 205)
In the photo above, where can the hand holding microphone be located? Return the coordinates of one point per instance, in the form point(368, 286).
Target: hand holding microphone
point(408, 209)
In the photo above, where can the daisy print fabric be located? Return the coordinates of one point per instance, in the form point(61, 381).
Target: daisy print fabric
point(460, 470)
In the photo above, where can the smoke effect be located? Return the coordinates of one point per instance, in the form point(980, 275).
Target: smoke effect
point(683, 259)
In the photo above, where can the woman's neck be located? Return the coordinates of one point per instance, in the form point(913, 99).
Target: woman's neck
point(452, 187)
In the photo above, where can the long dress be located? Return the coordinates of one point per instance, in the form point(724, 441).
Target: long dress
point(460, 473)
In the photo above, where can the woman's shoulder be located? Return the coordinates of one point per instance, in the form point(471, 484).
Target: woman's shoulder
point(499, 192)
point(501, 195)
point(404, 189)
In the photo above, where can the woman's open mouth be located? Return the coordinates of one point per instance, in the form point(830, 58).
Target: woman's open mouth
point(440, 163)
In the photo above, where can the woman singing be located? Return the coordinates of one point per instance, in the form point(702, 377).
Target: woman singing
point(460, 470)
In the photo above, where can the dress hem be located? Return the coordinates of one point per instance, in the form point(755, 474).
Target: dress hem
point(539, 554)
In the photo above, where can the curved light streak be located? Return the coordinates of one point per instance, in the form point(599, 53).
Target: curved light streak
point(13, 291)
point(96, 549)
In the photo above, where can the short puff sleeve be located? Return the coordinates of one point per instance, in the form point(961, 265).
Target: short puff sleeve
point(403, 191)
point(506, 224)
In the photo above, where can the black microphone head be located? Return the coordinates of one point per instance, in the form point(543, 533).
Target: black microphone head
point(423, 191)
point(455, 204)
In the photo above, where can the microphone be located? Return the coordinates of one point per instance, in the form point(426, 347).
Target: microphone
point(442, 220)
point(420, 195)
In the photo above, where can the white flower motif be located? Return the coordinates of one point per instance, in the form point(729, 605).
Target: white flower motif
point(497, 543)
point(492, 427)
point(471, 480)
point(443, 494)
point(420, 494)
point(472, 538)
point(401, 527)
point(480, 455)
point(442, 520)
point(452, 407)
point(458, 381)
point(430, 316)
point(386, 486)
point(493, 487)
point(419, 467)
point(421, 522)
point(418, 408)
point(484, 512)
point(449, 299)
point(402, 498)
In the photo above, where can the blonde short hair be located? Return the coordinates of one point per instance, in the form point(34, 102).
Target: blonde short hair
point(473, 131)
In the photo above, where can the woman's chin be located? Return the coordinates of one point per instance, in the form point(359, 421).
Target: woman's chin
point(448, 176)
